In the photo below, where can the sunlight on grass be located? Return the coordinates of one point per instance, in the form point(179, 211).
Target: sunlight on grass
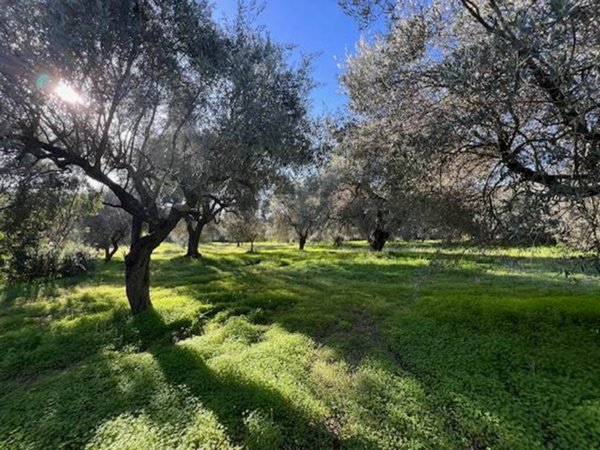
point(422, 346)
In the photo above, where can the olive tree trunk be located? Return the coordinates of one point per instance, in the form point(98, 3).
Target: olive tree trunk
point(110, 252)
point(137, 262)
point(194, 233)
point(137, 275)
point(302, 241)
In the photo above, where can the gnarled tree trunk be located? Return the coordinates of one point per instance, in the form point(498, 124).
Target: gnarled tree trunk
point(137, 262)
point(109, 253)
point(137, 275)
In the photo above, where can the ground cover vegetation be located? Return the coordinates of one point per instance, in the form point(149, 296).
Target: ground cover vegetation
point(191, 258)
point(423, 346)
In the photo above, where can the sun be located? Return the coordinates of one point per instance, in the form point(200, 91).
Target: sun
point(66, 93)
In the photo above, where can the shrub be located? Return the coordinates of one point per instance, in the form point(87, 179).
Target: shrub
point(74, 263)
point(29, 263)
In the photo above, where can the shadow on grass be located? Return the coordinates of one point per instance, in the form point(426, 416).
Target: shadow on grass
point(497, 345)
point(68, 402)
point(530, 370)
point(230, 398)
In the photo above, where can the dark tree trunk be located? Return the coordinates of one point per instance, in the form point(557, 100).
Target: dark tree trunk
point(137, 262)
point(194, 233)
point(137, 275)
point(109, 253)
point(238, 243)
point(302, 241)
point(378, 239)
point(251, 246)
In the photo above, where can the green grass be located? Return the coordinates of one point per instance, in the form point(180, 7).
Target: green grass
point(419, 347)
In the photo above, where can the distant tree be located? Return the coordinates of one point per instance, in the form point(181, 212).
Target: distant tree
point(507, 93)
point(106, 230)
point(371, 183)
point(301, 205)
point(245, 226)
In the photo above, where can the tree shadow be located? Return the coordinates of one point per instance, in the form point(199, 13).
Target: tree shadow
point(231, 397)
point(511, 340)
point(474, 362)
point(63, 406)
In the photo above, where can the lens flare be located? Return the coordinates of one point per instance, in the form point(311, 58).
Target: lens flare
point(43, 81)
point(66, 93)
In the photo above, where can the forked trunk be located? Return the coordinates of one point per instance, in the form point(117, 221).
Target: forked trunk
point(378, 239)
point(109, 253)
point(194, 233)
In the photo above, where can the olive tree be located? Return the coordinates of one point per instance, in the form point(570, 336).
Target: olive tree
point(371, 182)
point(259, 126)
point(104, 89)
point(106, 230)
point(245, 226)
point(508, 91)
point(301, 204)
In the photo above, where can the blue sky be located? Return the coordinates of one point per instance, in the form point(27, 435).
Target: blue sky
point(314, 26)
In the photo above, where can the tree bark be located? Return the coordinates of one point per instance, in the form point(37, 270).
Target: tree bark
point(137, 262)
point(137, 275)
point(194, 233)
point(378, 239)
point(109, 253)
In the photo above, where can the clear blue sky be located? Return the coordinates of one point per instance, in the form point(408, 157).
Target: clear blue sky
point(314, 26)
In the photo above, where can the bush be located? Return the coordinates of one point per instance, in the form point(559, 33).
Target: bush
point(29, 263)
point(74, 263)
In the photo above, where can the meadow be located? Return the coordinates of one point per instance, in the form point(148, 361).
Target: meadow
point(423, 346)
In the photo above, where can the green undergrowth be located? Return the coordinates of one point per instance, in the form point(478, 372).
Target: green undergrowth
point(423, 346)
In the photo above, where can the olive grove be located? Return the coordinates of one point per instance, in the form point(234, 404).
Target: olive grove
point(118, 92)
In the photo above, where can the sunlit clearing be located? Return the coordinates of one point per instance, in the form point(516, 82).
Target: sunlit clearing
point(68, 94)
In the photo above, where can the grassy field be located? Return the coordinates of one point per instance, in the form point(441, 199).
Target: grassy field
point(419, 347)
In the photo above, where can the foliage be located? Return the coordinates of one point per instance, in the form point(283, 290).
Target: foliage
point(497, 96)
point(106, 230)
point(259, 127)
point(105, 89)
point(302, 205)
point(131, 94)
point(45, 261)
point(424, 346)
point(39, 212)
point(246, 226)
